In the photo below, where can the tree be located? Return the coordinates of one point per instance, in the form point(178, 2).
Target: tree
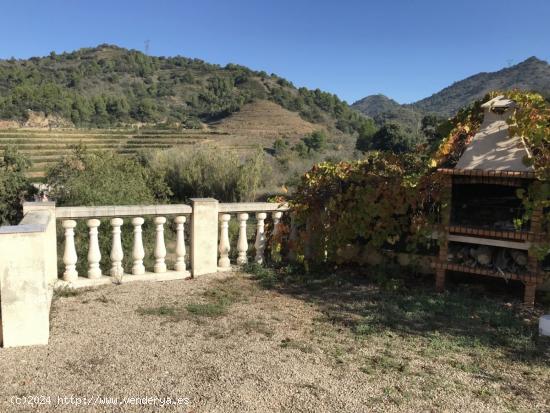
point(393, 138)
point(14, 186)
point(429, 127)
point(280, 147)
point(365, 134)
point(316, 141)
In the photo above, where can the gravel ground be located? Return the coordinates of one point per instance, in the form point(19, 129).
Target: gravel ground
point(254, 350)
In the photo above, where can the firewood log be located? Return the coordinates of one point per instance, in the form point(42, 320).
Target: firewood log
point(519, 257)
point(483, 254)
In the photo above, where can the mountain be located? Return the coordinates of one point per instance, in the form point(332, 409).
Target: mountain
point(108, 86)
point(531, 74)
point(382, 109)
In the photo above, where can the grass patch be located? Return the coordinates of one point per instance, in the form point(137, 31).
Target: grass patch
point(162, 311)
point(206, 309)
point(66, 292)
point(256, 326)
point(265, 275)
point(289, 343)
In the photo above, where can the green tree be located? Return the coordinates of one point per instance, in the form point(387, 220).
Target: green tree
point(14, 186)
point(365, 134)
point(393, 138)
point(316, 141)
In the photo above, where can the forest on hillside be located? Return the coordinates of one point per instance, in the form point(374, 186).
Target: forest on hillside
point(111, 86)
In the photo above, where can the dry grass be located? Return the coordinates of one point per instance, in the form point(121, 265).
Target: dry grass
point(324, 345)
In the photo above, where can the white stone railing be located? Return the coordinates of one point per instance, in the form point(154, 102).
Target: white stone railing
point(117, 215)
point(242, 212)
point(28, 253)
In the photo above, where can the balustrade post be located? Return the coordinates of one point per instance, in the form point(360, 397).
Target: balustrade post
point(242, 243)
point(69, 255)
point(117, 254)
point(180, 243)
point(160, 248)
point(260, 237)
point(94, 254)
point(224, 248)
point(138, 252)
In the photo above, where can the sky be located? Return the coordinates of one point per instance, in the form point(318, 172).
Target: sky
point(405, 49)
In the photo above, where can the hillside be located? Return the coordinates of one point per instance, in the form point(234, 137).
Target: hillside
point(263, 119)
point(532, 74)
point(382, 109)
point(110, 86)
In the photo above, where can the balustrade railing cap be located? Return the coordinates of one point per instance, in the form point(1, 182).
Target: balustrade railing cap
point(121, 210)
point(195, 200)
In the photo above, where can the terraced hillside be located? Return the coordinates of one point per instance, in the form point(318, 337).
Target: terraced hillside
point(257, 124)
point(45, 147)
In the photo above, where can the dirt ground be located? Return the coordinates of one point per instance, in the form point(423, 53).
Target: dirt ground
point(224, 344)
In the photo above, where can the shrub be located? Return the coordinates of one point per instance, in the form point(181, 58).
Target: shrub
point(210, 172)
point(383, 201)
point(106, 178)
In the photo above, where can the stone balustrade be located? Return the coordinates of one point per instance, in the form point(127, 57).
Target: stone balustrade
point(118, 215)
point(242, 212)
point(26, 283)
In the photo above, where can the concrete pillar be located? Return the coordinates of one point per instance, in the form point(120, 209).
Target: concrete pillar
point(50, 247)
point(28, 268)
point(204, 236)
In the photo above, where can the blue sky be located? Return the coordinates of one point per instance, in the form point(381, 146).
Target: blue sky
point(404, 49)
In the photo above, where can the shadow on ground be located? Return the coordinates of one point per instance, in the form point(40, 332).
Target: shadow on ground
point(466, 316)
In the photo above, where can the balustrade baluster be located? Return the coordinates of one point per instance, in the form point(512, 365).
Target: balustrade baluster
point(160, 248)
point(224, 247)
point(117, 254)
point(260, 237)
point(138, 252)
point(276, 242)
point(180, 243)
point(94, 254)
point(69, 255)
point(276, 221)
point(242, 243)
